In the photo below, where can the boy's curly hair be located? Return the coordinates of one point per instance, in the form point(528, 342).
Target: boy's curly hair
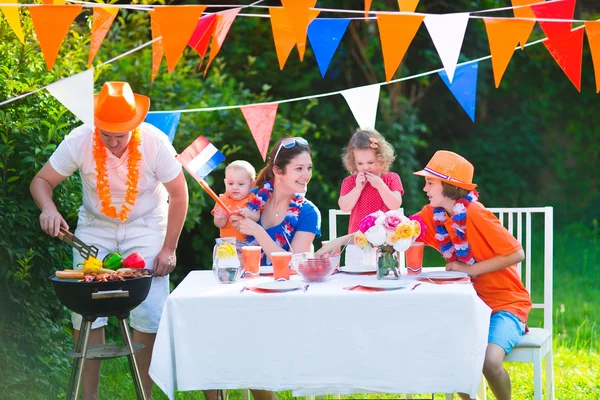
point(368, 139)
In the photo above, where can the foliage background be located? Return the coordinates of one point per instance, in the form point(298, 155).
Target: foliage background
point(535, 142)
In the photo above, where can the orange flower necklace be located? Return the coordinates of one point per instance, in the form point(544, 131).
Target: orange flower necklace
point(133, 176)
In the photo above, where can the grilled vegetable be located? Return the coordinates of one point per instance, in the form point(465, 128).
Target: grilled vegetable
point(112, 261)
point(134, 260)
point(91, 265)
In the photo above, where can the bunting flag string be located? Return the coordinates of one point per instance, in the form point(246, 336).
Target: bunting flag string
point(76, 93)
point(51, 24)
point(464, 86)
point(260, 120)
point(325, 36)
point(224, 21)
point(166, 122)
point(593, 34)
point(396, 33)
point(363, 102)
point(447, 32)
point(102, 20)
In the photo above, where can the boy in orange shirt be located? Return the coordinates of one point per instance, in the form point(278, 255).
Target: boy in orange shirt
point(472, 240)
point(239, 179)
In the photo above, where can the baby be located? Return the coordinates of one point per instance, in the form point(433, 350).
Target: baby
point(239, 179)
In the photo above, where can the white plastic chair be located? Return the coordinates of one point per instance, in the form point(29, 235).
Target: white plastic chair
point(537, 343)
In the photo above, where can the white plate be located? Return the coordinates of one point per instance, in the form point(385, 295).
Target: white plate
point(279, 286)
point(266, 270)
point(357, 269)
point(387, 284)
point(444, 275)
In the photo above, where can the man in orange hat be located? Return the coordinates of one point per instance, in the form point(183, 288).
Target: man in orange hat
point(135, 199)
point(472, 240)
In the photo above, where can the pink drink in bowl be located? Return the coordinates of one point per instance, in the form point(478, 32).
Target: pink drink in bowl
point(281, 265)
point(251, 261)
point(414, 258)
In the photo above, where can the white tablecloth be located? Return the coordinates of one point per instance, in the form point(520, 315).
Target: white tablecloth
point(326, 340)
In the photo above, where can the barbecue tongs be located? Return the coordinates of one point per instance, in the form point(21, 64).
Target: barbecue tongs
point(85, 250)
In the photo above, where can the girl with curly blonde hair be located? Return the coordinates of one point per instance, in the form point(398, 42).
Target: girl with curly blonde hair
point(370, 186)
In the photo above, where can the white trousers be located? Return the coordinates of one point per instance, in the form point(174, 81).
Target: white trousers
point(146, 236)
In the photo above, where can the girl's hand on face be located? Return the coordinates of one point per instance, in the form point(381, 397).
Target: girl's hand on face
point(361, 180)
point(375, 180)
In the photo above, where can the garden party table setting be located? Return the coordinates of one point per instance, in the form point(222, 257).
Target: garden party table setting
point(407, 335)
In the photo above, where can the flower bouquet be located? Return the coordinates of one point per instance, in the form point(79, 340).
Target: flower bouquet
point(388, 233)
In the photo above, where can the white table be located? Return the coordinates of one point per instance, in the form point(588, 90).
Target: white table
point(326, 340)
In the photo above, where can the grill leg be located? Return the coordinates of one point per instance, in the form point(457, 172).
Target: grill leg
point(135, 373)
point(79, 362)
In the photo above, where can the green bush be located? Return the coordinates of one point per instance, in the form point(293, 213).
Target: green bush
point(33, 334)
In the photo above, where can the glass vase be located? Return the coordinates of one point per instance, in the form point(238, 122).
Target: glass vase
point(387, 262)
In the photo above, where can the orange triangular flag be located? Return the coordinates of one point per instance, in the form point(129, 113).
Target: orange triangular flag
point(300, 16)
point(592, 29)
point(101, 23)
point(504, 34)
point(12, 17)
point(260, 119)
point(51, 24)
point(177, 24)
point(396, 32)
point(525, 12)
point(283, 36)
point(367, 7)
point(408, 5)
point(157, 47)
point(225, 19)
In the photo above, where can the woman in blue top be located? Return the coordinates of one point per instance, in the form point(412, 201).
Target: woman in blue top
point(287, 217)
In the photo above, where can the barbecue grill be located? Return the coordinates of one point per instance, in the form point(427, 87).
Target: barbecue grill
point(102, 299)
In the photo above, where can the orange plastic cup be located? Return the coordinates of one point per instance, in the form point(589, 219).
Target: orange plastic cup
point(281, 265)
point(414, 258)
point(251, 261)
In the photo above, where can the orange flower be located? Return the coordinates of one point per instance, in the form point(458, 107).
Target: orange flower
point(417, 228)
point(133, 176)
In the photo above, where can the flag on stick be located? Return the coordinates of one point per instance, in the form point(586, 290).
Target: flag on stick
point(199, 159)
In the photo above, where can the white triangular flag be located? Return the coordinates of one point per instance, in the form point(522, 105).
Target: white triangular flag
point(77, 94)
point(447, 32)
point(363, 102)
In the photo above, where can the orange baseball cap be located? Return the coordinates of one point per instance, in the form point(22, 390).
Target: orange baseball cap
point(451, 168)
point(117, 109)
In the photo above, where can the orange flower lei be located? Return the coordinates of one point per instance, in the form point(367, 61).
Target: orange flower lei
point(133, 176)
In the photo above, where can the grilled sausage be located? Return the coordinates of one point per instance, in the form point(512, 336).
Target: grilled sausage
point(69, 274)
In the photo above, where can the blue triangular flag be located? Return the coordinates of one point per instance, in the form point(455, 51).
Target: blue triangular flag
point(464, 86)
point(325, 35)
point(166, 122)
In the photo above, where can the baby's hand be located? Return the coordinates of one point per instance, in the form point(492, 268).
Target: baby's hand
point(220, 213)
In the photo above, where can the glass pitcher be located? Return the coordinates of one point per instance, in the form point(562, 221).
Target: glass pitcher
point(226, 264)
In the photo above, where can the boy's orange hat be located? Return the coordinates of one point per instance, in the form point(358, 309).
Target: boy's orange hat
point(451, 168)
point(117, 109)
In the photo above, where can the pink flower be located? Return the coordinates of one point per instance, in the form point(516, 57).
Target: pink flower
point(422, 225)
point(391, 222)
point(366, 223)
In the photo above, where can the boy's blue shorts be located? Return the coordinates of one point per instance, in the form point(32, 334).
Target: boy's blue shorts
point(506, 330)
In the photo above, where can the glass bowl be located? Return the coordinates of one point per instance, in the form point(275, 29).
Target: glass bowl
point(314, 269)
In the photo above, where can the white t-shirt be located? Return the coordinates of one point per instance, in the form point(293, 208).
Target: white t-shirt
point(158, 165)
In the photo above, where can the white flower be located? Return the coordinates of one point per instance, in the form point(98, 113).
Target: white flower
point(380, 219)
point(397, 213)
point(461, 246)
point(459, 208)
point(376, 235)
point(403, 244)
point(439, 216)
